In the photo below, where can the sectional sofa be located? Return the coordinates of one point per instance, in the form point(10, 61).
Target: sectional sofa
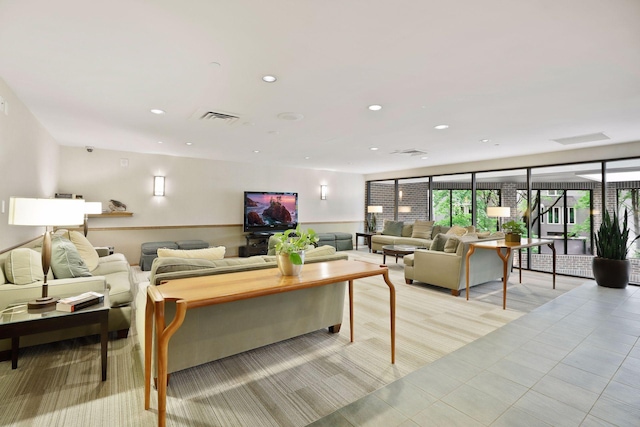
point(21, 281)
point(420, 234)
point(213, 332)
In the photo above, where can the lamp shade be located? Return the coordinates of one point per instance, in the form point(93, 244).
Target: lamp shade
point(374, 209)
point(46, 212)
point(92, 208)
point(498, 211)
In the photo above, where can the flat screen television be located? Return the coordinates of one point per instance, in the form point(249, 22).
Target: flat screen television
point(266, 211)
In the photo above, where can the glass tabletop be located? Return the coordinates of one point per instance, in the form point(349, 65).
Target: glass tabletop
point(20, 313)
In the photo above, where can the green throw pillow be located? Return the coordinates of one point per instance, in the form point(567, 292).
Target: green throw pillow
point(392, 228)
point(66, 262)
point(439, 242)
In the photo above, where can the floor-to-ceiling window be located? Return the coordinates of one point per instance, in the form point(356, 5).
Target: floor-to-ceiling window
point(452, 200)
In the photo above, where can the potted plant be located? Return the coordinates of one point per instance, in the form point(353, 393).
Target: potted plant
point(611, 268)
point(513, 231)
point(290, 247)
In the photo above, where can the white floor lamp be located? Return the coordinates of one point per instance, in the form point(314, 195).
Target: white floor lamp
point(498, 212)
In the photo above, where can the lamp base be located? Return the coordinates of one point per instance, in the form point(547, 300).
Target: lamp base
point(42, 302)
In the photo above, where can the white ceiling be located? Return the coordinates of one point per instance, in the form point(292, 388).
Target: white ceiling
point(519, 73)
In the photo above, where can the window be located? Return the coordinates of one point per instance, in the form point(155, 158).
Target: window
point(572, 216)
point(554, 193)
point(554, 216)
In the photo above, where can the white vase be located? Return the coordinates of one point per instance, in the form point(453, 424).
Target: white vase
point(287, 268)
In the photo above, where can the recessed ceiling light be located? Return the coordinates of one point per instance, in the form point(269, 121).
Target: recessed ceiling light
point(189, 143)
point(274, 132)
point(307, 158)
point(375, 107)
point(440, 127)
point(256, 151)
point(159, 142)
point(269, 79)
point(157, 111)
point(373, 148)
point(485, 140)
point(424, 157)
point(291, 116)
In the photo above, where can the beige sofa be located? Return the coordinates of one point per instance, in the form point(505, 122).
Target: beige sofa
point(380, 240)
point(214, 332)
point(110, 272)
point(448, 269)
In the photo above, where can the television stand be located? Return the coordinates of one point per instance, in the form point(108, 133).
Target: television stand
point(257, 244)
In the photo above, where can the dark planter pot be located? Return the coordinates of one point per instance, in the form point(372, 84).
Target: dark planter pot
point(512, 237)
point(611, 273)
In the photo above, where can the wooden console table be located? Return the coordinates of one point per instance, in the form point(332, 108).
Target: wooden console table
point(219, 289)
point(499, 245)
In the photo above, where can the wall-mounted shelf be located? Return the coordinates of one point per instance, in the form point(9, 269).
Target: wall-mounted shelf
point(110, 214)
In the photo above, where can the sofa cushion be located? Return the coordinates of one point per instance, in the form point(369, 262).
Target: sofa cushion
point(86, 250)
point(170, 264)
point(407, 230)
point(451, 245)
point(483, 234)
point(232, 262)
point(192, 244)
point(66, 262)
point(24, 266)
point(320, 251)
point(392, 228)
point(422, 229)
point(209, 253)
point(456, 230)
point(439, 242)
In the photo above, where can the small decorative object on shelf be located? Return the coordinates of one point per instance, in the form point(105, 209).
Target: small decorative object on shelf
point(117, 206)
point(78, 302)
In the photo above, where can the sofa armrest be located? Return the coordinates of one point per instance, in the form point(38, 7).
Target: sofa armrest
point(437, 267)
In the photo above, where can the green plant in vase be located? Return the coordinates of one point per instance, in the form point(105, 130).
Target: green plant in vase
point(290, 247)
point(611, 268)
point(513, 231)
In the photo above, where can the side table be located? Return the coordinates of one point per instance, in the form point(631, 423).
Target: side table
point(367, 239)
point(17, 321)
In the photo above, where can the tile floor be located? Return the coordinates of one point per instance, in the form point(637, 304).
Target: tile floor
point(574, 361)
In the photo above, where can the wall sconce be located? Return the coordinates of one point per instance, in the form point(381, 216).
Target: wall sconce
point(158, 185)
point(404, 209)
point(323, 192)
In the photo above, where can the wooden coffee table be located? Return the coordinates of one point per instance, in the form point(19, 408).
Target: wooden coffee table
point(397, 251)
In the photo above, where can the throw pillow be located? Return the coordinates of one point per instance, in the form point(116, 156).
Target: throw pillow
point(471, 229)
point(208, 253)
point(452, 245)
point(438, 242)
point(24, 266)
point(422, 229)
point(392, 228)
point(86, 250)
point(320, 251)
point(456, 230)
point(407, 230)
point(66, 262)
point(483, 234)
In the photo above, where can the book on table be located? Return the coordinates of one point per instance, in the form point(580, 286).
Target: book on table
point(77, 302)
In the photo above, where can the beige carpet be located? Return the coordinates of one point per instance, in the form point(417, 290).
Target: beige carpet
point(291, 383)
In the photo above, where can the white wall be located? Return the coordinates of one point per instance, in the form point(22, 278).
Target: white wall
point(204, 198)
point(28, 164)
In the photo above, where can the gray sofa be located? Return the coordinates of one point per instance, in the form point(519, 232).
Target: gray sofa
point(380, 240)
point(449, 270)
point(214, 332)
point(339, 241)
point(112, 272)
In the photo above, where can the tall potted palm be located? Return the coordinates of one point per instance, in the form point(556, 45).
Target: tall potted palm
point(611, 268)
point(290, 247)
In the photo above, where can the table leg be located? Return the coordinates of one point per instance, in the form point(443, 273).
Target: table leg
point(15, 345)
point(520, 263)
point(469, 253)
point(351, 308)
point(505, 270)
point(104, 342)
point(148, 339)
point(384, 257)
point(553, 251)
point(392, 310)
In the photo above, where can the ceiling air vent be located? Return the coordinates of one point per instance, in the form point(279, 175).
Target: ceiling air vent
point(211, 116)
point(410, 152)
point(592, 137)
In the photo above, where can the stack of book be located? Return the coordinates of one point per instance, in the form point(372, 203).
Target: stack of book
point(77, 302)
